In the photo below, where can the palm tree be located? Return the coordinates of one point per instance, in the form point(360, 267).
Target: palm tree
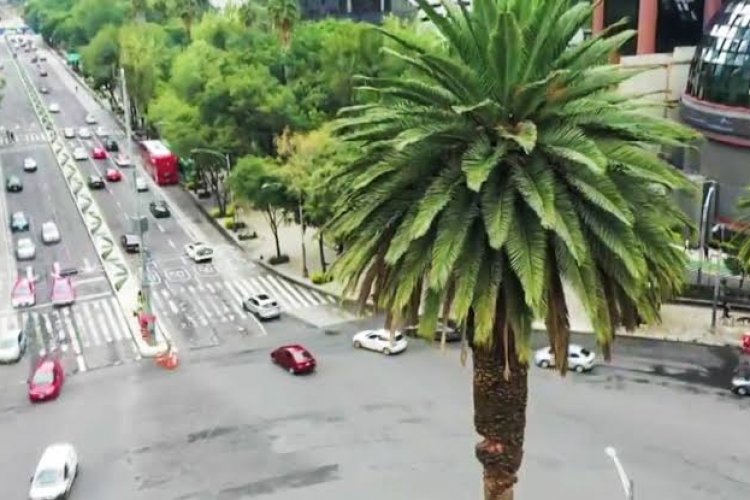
point(284, 15)
point(139, 8)
point(506, 171)
point(189, 11)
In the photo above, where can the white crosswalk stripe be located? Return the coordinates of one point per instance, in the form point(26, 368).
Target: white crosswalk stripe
point(23, 137)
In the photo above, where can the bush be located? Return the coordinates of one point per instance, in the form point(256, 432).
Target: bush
point(278, 260)
point(247, 236)
point(215, 213)
point(321, 278)
point(190, 185)
point(231, 210)
point(239, 225)
point(229, 223)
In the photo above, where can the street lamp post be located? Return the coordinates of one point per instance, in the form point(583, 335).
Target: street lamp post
point(627, 484)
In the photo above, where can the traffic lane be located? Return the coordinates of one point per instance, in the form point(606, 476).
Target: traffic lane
point(15, 104)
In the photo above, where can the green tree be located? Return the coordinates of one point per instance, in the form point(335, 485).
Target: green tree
point(93, 15)
point(510, 167)
point(284, 15)
point(101, 57)
point(189, 11)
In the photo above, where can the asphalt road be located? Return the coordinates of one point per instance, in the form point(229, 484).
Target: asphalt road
point(200, 304)
point(91, 333)
point(229, 425)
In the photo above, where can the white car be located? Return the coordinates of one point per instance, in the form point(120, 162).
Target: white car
point(199, 252)
point(140, 184)
point(84, 133)
point(90, 119)
point(25, 249)
point(55, 473)
point(380, 341)
point(42, 57)
point(101, 132)
point(262, 306)
point(29, 165)
point(69, 133)
point(50, 233)
point(580, 359)
point(12, 347)
point(54, 108)
point(122, 160)
point(80, 154)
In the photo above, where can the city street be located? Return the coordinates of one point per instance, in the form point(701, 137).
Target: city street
point(230, 425)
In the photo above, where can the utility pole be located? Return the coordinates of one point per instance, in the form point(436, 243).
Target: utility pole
point(137, 217)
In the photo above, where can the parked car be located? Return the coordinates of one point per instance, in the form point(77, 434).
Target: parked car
point(84, 133)
point(741, 380)
point(80, 154)
point(54, 108)
point(29, 164)
point(111, 145)
point(24, 292)
point(140, 184)
point(380, 341)
point(42, 72)
point(50, 233)
point(98, 153)
point(122, 160)
point(262, 306)
point(113, 175)
point(199, 252)
point(95, 182)
point(46, 381)
point(19, 222)
point(13, 346)
point(69, 133)
point(63, 293)
point(90, 120)
point(580, 359)
point(25, 249)
point(55, 474)
point(131, 243)
point(159, 209)
point(452, 332)
point(13, 184)
point(294, 358)
point(43, 90)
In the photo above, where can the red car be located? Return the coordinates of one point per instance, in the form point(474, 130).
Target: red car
point(114, 175)
point(47, 381)
point(99, 153)
point(294, 358)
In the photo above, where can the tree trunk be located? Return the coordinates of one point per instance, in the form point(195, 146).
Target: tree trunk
point(321, 249)
point(499, 413)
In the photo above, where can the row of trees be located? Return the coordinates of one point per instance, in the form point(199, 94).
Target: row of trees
point(471, 175)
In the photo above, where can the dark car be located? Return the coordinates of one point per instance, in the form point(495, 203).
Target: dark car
point(42, 72)
point(294, 358)
point(111, 145)
point(14, 184)
point(159, 209)
point(131, 243)
point(96, 182)
point(452, 331)
point(19, 222)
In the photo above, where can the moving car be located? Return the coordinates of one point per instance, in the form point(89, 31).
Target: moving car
point(111, 145)
point(294, 358)
point(95, 182)
point(63, 293)
point(101, 132)
point(50, 233)
point(12, 346)
point(42, 72)
point(29, 165)
point(380, 341)
point(13, 184)
point(262, 306)
point(43, 90)
point(140, 184)
point(90, 120)
point(42, 57)
point(54, 108)
point(131, 243)
point(25, 249)
point(580, 359)
point(159, 209)
point(199, 252)
point(122, 160)
point(98, 153)
point(55, 474)
point(113, 175)
point(24, 291)
point(741, 380)
point(47, 380)
point(69, 133)
point(84, 133)
point(80, 154)
point(452, 332)
point(19, 222)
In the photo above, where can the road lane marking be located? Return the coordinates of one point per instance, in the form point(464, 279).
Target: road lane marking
point(91, 325)
point(90, 280)
point(74, 340)
point(116, 333)
point(171, 243)
point(193, 293)
point(159, 227)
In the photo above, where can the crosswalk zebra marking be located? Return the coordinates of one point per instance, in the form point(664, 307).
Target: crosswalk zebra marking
point(116, 334)
point(100, 322)
point(274, 288)
point(193, 293)
point(92, 330)
point(120, 320)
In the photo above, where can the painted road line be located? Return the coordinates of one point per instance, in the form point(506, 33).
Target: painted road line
point(168, 299)
point(159, 227)
point(214, 303)
point(120, 319)
point(90, 280)
point(46, 325)
point(198, 300)
point(281, 292)
point(101, 321)
point(250, 288)
point(74, 342)
point(210, 288)
point(80, 328)
point(91, 325)
point(59, 329)
point(171, 243)
point(236, 295)
point(116, 334)
point(303, 298)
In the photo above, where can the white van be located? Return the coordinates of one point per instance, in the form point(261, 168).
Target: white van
point(55, 473)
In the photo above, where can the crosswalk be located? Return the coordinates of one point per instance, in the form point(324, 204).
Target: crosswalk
point(203, 303)
point(23, 137)
point(79, 329)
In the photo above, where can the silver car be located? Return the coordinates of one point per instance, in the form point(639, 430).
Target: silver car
point(50, 233)
point(69, 133)
point(25, 249)
point(80, 154)
point(84, 133)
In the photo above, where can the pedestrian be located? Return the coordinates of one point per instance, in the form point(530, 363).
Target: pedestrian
point(727, 309)
point(12, 136)
point(7, 135)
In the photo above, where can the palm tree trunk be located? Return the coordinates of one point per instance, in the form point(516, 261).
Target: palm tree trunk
point(321, 250)
point(499, 414)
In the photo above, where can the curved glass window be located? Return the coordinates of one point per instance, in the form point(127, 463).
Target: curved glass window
point(720, 70)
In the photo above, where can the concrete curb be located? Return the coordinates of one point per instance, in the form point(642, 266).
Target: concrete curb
point(664, 339)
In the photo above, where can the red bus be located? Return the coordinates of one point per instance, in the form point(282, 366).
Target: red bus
point(160, 162)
